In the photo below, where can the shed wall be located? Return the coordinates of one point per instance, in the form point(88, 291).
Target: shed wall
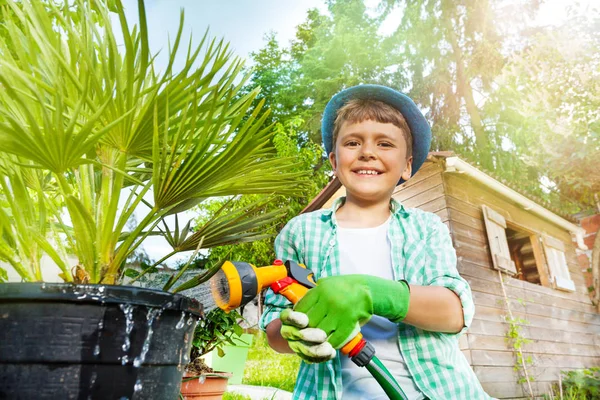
point(563, 327)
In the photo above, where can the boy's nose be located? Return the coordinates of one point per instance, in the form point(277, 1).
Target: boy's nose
point(367, 152)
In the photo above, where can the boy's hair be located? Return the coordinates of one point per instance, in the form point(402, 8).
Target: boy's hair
point(359, 110)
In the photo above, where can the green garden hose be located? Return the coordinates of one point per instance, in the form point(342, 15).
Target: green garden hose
point(385, 379)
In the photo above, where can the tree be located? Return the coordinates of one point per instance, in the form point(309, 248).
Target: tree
point(453, 52)
point(548, 104)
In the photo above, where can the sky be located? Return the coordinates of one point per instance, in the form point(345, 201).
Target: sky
point(244, 24)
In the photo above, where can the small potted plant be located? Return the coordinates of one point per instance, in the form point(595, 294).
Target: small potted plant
point(93, 130)
point(213, 332)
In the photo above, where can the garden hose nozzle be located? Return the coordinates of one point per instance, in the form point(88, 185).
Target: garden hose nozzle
point(237, 283)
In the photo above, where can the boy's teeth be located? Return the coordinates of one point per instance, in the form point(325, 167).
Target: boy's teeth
point(368, 172)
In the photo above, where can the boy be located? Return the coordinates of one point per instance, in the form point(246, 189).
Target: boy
point(377, 264)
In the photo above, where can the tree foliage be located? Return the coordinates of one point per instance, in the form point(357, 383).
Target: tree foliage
point(548, 107)
point(500, 93)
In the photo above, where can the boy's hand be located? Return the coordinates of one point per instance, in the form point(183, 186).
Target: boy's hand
point(340, 305)
point(309, 343)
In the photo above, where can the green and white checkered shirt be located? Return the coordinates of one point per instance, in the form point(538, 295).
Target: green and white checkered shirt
point(422, 253)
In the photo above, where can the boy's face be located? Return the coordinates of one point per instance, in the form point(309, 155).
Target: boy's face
point(369, 159)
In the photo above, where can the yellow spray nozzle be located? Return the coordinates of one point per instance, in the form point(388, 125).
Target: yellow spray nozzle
point(237, 283)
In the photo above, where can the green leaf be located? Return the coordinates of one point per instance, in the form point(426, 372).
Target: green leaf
point(3, 275)
point(220, 352)
point(131, 273)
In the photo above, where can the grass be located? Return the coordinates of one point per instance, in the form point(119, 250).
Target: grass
point(235, 396)
point(265, 367)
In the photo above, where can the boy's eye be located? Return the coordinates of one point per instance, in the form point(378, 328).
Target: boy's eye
point(352, 143)
point(386, 144)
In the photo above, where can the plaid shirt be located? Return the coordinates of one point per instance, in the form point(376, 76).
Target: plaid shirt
point(422, 253)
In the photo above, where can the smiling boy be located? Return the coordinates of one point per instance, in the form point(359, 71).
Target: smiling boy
point(379, 266)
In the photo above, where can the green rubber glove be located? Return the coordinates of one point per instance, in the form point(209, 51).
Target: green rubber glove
point(309, 343)
point(340, 305)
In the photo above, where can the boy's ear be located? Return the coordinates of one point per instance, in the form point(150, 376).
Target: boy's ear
point(408, 170)
point(333, 161)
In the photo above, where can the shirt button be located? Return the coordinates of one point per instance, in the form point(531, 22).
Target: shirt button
point(332, 242)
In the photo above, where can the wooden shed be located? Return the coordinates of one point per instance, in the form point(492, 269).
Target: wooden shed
point(520, 259)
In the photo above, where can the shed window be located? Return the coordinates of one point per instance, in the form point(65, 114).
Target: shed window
point(522, 252)
point(557, 263)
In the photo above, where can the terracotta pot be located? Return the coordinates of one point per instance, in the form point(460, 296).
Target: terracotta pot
point(207, 387)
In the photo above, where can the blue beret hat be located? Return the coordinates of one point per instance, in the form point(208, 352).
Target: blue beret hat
point(419, 127)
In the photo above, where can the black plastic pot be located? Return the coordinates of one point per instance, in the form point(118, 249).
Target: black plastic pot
point(61, 341)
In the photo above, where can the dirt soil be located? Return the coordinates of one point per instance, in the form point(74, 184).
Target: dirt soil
point(197, 365)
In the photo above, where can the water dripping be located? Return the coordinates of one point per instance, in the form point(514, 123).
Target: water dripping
point(181, 321)
point(128, 312)
point(150, 316)
point(97, 347)
point(138, 386)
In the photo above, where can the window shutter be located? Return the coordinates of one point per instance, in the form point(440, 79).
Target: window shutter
point(495, 225)
point(557, 264)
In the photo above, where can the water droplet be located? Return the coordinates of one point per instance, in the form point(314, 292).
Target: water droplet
point(181, 321)
point(97, 350)
point(138, 386)
point(153, 313)
point(128, 312)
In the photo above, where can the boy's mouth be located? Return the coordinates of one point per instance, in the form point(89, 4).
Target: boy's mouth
point(367, 172)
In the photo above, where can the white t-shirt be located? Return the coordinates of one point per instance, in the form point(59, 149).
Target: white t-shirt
point(368, 251)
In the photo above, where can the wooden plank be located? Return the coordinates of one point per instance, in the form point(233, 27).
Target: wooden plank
point(539, 260)
point(490, 300)
point(489, 328)
point(482, 271)
point(434, 205)
point(460, 240)
point(527, 296)
point(493, 216)
point(533, 321)
point(427, 170)
point(497, 343)
point(508, 374)
point(418, 188)
point(553, 242)
point(464, 231)
point(462, 188)
point(443, 214)
point(463, 206)
point(466, 219)
point(507, 359)
point(480, 256)
point(425, 197)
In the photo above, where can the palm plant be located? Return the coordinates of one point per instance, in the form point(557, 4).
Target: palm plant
point(91, 132)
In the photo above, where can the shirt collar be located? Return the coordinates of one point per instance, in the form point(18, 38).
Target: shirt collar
point(396, 207)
